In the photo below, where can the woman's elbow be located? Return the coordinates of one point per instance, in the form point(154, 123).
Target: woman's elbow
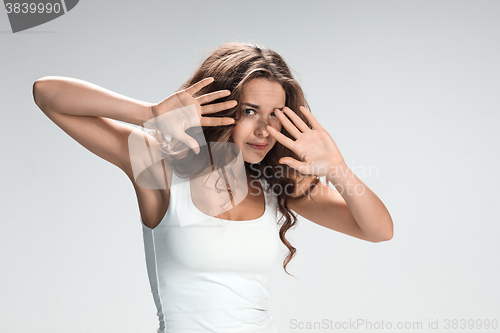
point(385, 237)
point(383, 234)
point(388, 237)
point(39, 91)
point(37, 95)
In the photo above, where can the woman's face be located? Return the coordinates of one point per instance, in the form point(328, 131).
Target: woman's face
point(260, 98)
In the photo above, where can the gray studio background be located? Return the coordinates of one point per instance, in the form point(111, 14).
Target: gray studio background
point(409, 91)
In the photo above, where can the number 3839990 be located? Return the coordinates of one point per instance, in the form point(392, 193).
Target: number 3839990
point(32, 8)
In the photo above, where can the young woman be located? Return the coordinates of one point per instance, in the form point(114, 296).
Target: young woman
point(234, 153)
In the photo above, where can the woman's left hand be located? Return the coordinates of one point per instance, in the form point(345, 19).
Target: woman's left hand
point(318, 152)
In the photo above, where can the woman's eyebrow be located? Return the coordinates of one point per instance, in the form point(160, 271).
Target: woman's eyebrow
point(257, 107)
point(252, 105)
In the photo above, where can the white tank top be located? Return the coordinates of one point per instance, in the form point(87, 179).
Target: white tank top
point(211, 275)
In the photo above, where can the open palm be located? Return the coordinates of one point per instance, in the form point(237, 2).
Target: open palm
point(180, 111)
point(315, 147)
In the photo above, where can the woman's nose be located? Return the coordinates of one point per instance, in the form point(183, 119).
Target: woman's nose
point(261, 129)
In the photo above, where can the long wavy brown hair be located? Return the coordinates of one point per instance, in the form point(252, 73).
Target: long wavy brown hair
point(232, 65)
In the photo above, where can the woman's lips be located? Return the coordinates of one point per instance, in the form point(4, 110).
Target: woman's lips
point(258, 146)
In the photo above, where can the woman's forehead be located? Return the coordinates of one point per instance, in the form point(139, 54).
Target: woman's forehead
point(265, 91)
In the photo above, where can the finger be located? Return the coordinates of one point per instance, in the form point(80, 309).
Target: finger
point(216, 121)
point(200, 84)
point(291, 128)
point(296, 120)
point(312, 119)
point(212, 108)
point(297, 165)
point(189, 141)
point(285, 141)
point(207, 98)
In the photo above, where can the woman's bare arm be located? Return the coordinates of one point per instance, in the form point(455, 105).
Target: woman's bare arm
point(84, 111)
point(80, 98)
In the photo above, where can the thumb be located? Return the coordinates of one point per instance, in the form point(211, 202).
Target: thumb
point(293, 163)
point(285, 160)
point(290, 162)
point(190, 142)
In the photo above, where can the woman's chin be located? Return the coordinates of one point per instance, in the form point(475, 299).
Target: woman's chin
point(253, 159)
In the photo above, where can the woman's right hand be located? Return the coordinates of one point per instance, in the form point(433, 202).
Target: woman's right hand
point(180, 111)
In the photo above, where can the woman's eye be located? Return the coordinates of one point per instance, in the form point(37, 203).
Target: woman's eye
point(273, 114)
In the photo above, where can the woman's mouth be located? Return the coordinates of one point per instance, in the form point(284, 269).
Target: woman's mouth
point(258, 146)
